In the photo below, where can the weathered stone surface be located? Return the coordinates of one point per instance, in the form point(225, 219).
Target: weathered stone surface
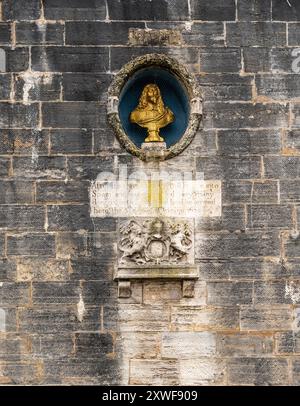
point(244, 345)
point(55, 292)
point(142, 318)
point(28, 33)
point(99, 33)
point(296, 372)
point(69, 59)
point(12, 192)
point(253, 10)
point(258, 371)
point(139, 345)
point(98, 292)
point(29, 11)
point(216, 60)
point(265, 192)
point(73, 115)
point(41, 269)
point(74, 10)
point(261, 59)
point(282, 167)
point(281, 87)
point(291, 142)
point(163, 292)
point(229, 168)
point(61, 321)
point(291, 246)
point(204, 318)
point(7, 268)
point(61, 192)
point(12, 344)
point(202, 371)
point(22, 218)
point(204, 34)
point(251, 244)
point(31, 244)
point(293, 34)
point(268, 216)
point(85, 86)
point(18, 115)
point(146, 372)
point(245, 142)
point(90, 345)
point(186, 345)
point(41, 168)
point(266, 318)
point(188, 55)
point(88, 168)
point(5, 84)
point(69, 218)
point(256, 34)
point(36, 319)
point(37, 87)
point(23, 142)
point(145, 10)
point(5, 34)
point(213, 10)
point(244, 115)
point(12, 294)
point(52, 346)
point(229, 293)
point(237, 191)
point(287, 342)
point(224, 87)
point(283, 11)
point(276, 292)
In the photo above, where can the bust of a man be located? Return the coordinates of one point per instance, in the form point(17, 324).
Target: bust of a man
point(151, 113)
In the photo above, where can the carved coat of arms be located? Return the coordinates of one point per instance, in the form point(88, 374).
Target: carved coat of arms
point(154, 242)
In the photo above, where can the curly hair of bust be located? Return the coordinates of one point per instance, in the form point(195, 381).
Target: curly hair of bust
point(143, 102)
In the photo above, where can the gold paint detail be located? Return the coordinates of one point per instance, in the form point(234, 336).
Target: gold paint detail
point(151, 113)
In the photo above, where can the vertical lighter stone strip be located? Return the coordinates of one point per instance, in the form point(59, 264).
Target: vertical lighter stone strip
point(2, 321)
point(13, 35)
point(2, 60)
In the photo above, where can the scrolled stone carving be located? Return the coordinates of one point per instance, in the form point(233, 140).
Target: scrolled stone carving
point(150, 242)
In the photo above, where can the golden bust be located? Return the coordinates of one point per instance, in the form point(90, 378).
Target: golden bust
point(151, 113)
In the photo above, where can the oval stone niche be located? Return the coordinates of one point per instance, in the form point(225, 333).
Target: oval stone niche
point(173, 94)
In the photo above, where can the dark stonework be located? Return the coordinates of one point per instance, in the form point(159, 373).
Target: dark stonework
point(61, 320)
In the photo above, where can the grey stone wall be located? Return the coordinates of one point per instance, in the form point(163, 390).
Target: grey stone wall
point(60, 319)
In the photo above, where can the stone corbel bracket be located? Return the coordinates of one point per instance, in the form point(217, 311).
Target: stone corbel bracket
point(181, 73)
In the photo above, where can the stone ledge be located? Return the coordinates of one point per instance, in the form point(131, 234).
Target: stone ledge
point(161, 272)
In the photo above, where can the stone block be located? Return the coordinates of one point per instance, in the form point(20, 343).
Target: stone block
point(213, 11)
point(253, 34)
point(61, 192)
point(243, 345)
point(36, 33)
point(194, 318)
point(31, 245)
point(229, 293)
point(23, 218)
point(257, 371)
point(53, 168)
point(262, 318)
point(69, 59)
point(187, 345)
point(154, 372)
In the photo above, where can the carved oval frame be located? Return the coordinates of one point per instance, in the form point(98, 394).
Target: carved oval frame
point(182, 74)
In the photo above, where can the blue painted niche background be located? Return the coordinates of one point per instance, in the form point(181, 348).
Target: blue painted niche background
point(174, 96)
